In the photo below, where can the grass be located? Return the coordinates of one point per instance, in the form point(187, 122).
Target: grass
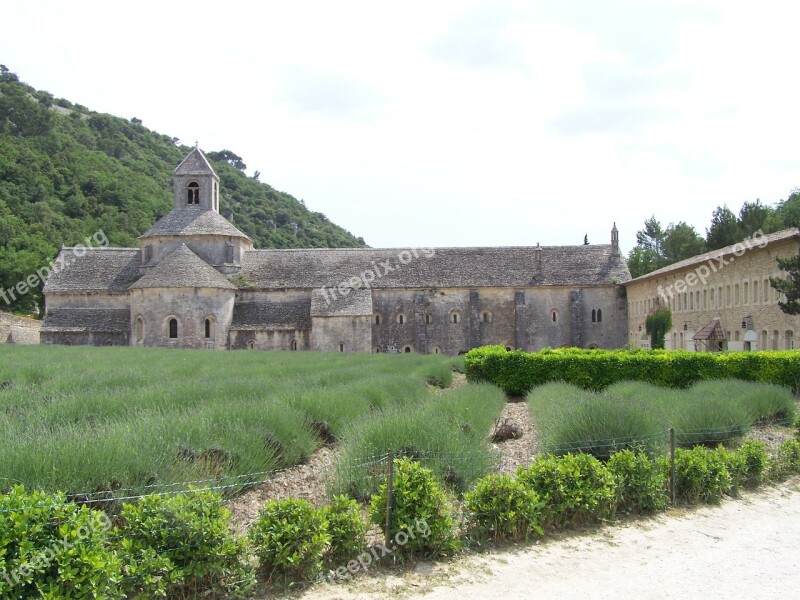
point(447, 432)
point(638, 415)
point(83, 419)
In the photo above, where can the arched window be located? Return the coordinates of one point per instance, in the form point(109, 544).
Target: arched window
point(755, 292)
point(209, 328)
point(736, 295)
point(407, 349)
point(594, 316)
point(229, 252)
point(486, 316)
point(789, 339)
point(341, 346)
point(377, 320)
point(599, 315)
point(139, 330)
point(554, 315)
point(193, 193)
point(437, 350)
point(746, 292)
point(109, 343)
point(377, 349)
point(428, 319)
point(509, 349)
point(293, 345)
point(775, 335)
point(251, 344)
point(173, 328)
point(763, 345)
point(455, 317)
point(401, 319)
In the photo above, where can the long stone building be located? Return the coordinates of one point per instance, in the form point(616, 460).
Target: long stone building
point(720, 300)
point(197, 282)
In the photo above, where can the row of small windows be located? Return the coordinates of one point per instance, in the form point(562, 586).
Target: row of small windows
point(251, 345)
point(486, 317)
point(748, 292)
point(172, 330)
point(401, 319)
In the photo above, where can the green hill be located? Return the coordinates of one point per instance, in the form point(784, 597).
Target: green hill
point(67, 172)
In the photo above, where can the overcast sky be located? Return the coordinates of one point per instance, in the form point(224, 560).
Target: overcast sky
point(451, 123)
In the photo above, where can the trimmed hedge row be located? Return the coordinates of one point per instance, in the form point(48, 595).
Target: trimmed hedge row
point(181, 546)
point(518, 372)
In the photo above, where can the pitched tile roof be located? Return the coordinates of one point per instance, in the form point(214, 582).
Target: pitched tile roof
point(193, 220)
point(182, 268)
point(330, 303)
point(195, 163)
point(439, 267)
point(92, 320)
point(94, 270)
point(294, 314)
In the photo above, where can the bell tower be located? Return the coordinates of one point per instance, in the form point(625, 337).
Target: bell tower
point(195, 185)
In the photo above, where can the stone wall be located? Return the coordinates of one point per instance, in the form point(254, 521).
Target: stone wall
point(352, 332)
point(18, 330)
point(743, 284)
point(191, 307)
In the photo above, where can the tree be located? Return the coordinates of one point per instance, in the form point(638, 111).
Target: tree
point(724, 230)
point(657, 324)
point(229, 157)
point(586, 240)
point(680, 242)
point(788, 211)
point(753, 217)
point(788, 286)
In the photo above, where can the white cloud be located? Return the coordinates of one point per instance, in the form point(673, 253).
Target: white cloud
point(451, 123)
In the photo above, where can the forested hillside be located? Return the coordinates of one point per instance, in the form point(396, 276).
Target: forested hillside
point(67, 172)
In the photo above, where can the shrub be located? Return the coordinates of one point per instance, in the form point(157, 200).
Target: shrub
point(54, 549)
point(570, 419)
point(701, 475)
point(519, 372)
point(576, 488)
point(504, 509)
point(736, 463)
point(640, 482)
point(181, 544)
point(706, 419)
point(289, 539)
point(797, 429)
point(448, 432)
point(787, 461)
point(420, 506)
point(346, 528)
point(757, 462)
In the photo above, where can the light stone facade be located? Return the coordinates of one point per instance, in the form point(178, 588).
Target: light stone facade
point(731, 285)
point(196, 282)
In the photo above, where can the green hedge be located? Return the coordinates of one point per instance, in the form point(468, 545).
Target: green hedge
point(518, 372)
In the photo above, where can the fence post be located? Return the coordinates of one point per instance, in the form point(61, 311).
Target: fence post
point(672, 465)
point(389, 495)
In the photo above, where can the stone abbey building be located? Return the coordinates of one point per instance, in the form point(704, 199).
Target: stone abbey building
point(197, 282)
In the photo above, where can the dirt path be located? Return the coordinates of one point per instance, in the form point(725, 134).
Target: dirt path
point(745, 548)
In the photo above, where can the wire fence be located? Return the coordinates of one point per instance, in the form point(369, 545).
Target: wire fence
point(360, 478)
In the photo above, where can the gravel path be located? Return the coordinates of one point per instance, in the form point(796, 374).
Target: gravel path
point(745, 548)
